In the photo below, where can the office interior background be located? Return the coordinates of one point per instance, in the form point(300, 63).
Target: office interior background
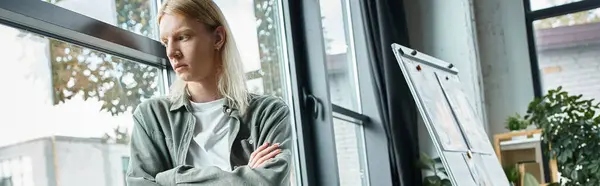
point(75, 69)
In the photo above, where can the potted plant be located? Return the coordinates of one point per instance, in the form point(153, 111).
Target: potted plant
point(571, 134)
point(435, 170)
point(516, 124)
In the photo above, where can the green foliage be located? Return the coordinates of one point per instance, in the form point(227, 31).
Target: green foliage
point(515, 122)
point(512, 174)
point(120, 84)
point(570, 129)
point(119, 136)
point(439, 177)
point(134, 15)
point(269, 46)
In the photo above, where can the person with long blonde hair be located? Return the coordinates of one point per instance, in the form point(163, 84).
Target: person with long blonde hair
point(209, 130)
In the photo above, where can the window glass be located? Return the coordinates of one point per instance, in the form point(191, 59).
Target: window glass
point(567, 48)
point(340, 63)
point(343, 88)
point(15, 171)
point(138, 16)
point(542, 4)
point(350, 152)
point(81, 98)
point(78, 99)
point(257, 28)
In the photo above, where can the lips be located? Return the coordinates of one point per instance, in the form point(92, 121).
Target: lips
point(179, 65)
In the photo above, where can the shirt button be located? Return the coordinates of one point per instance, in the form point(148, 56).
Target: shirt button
point(251, 142)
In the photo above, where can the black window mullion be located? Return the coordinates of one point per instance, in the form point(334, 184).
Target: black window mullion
point(349, 113)
point(309, 71)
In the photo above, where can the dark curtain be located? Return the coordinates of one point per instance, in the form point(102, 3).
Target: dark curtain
point(386, 24)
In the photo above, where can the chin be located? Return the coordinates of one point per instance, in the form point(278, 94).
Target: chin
point(185, 76)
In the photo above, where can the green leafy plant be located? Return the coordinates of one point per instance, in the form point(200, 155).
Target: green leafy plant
point(512, 174)
point(570, 130)
point(439, 176)
point(515, 122)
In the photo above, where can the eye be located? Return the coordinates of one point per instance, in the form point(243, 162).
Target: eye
point(183, 37)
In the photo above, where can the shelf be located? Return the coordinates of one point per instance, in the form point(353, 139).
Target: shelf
point(528, 143)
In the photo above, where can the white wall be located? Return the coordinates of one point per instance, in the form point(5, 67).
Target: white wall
point(487, 41)
point(89, 163)
point(574, 68)
point(445, 30)
point(38, 151)
point(116, 153)
point(80, 164)
point(505, 62)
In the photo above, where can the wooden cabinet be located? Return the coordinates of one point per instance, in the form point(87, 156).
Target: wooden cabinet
point(523, 149)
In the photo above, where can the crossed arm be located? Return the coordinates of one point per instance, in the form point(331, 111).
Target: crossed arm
point(150, 166)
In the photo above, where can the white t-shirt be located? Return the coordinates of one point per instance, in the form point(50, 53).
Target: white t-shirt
point(210, 145)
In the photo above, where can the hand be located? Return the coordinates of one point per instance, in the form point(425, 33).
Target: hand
point(262, 154)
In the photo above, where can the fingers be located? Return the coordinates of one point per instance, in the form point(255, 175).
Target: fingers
point(263, 159)
point(262, 147)
point(259, 153)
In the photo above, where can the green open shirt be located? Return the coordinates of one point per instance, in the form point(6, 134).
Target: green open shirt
point(163, 131)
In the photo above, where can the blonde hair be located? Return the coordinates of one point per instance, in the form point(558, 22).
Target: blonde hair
point(232, 82)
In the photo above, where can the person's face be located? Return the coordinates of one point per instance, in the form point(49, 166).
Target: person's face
point(192, 48)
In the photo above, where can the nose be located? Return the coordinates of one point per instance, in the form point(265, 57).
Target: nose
point(173, 52)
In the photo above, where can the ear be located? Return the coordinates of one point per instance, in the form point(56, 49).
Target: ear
point(220, 36)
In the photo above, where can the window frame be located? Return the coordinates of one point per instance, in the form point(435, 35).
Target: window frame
point(317, 155)
point(530, 18)
point(38, 17)
point(47, 19)
point(303, 39)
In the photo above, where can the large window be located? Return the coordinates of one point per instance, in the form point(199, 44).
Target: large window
point(568, 48)
point(567, 45)
point(55, 88)
point(68, 103)
point(564, 45)
point(257, 29)
point(59, 88)
point(340, 63)
point(76, 69)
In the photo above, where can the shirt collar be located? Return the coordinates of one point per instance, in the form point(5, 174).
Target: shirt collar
point(182, 100)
